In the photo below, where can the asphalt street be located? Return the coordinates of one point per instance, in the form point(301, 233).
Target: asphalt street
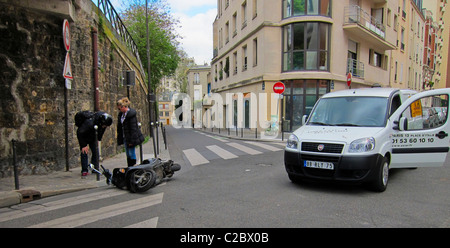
point(247, 190)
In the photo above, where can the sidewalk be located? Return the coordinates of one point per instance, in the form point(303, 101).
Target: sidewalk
point(246, 134)
point(33, 187)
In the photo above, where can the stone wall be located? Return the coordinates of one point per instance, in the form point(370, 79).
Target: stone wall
point(32, 86)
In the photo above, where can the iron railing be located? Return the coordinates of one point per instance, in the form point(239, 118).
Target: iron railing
point(354, 14)
point(355, 67)
point(112, 16)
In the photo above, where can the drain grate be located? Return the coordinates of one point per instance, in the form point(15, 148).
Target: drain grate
point(29, 195)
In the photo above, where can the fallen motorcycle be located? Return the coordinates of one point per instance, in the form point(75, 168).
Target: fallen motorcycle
point(139, 178)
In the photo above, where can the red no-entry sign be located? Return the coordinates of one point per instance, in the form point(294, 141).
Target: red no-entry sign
point(66, 35)
point(349, 79)
point(278, 87)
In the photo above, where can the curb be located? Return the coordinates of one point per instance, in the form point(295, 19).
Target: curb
point(9, 198)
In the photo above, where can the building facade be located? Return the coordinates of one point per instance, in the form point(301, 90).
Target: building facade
point(441, 17)
point(310, 46)
point(199, 87)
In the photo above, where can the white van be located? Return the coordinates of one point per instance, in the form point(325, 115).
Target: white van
point(357, 135)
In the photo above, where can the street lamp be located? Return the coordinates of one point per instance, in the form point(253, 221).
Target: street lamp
point(151, 95)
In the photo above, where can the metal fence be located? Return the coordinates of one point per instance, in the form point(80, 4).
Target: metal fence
point(354, 14)
point(355, 67)
point(112, 16)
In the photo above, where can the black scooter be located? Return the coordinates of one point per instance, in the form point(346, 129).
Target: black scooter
point(140, 178)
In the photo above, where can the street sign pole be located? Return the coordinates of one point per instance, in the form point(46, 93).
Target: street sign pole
point(67, 86)
point(279, 88)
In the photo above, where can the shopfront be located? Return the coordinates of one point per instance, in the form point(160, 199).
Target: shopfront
point(299, 99)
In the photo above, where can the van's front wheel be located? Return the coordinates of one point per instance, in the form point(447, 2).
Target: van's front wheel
point(382, 176)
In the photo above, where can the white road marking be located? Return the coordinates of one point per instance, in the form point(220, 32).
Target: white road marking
point(221, 152)
point(101, 213)
point(194, 157)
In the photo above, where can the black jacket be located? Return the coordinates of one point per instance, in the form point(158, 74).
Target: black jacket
point(130, 128)
point(86, 132)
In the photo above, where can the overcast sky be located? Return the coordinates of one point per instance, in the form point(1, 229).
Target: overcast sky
point(196, 18)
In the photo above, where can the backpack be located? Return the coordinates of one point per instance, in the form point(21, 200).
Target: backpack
point(81, 116)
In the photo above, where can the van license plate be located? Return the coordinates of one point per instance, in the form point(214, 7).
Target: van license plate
point(318, 165)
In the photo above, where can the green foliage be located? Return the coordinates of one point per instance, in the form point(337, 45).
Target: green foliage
point(164, 56)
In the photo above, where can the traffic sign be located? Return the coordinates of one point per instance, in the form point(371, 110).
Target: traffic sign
point(349, 79)
point(66, 35)
point(278, 87)
point(67, 73)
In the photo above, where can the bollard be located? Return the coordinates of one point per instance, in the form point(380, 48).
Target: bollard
point(16, 174)
point(163, 129)
point(140, 146)
point(157, 138)
point(97, 157)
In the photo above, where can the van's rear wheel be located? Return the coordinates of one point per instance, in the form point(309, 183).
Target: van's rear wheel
point(382, 176)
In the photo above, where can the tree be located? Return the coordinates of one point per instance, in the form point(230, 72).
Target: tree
point(164, 56)
point(181, 72)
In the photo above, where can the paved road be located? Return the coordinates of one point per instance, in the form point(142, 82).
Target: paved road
point(233, 183)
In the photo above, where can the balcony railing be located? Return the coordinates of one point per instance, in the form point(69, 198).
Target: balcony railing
point(111, 15)
point(354, 14)
point(355, 67)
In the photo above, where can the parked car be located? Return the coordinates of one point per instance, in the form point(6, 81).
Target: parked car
point(357, 135)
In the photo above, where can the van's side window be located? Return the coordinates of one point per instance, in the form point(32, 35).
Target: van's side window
point(427, 113)
point(396, 102)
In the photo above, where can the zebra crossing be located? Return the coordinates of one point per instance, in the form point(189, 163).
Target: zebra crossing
point(32, 212)
point(228, 149)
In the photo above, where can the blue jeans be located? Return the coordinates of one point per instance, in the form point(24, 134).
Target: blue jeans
point(84, 158)
point(129, 151)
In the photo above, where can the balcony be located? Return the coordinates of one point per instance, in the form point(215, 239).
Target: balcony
point(365, 27)
point(355, 67)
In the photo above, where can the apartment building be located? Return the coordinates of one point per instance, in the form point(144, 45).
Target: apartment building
point(429, 55)
point(165, 110)
point(311, 46)
point(199, 87)
point(415, 28)
point(441, 19)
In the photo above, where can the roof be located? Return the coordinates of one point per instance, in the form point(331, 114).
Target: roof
point(377, 92)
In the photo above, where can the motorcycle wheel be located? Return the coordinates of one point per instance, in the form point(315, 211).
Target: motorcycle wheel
point(140, 180)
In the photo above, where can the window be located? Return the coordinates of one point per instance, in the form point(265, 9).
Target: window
point(234, 23)
point(196, 78)
point(299, 99)
point(426, 113)
point(396, 70)
point(255, 52)
point(235, 68)
point(306, 7)
point(244, 14)
point(389, 13)
point(395, 22)
point(305, 46)
point(244, 58)
point(377, 59)
point(402, 40)
point(227, 32)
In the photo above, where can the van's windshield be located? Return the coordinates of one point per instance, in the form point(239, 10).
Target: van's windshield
point(350, 111)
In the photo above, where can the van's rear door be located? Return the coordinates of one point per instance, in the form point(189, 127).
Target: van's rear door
point(425, 140)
